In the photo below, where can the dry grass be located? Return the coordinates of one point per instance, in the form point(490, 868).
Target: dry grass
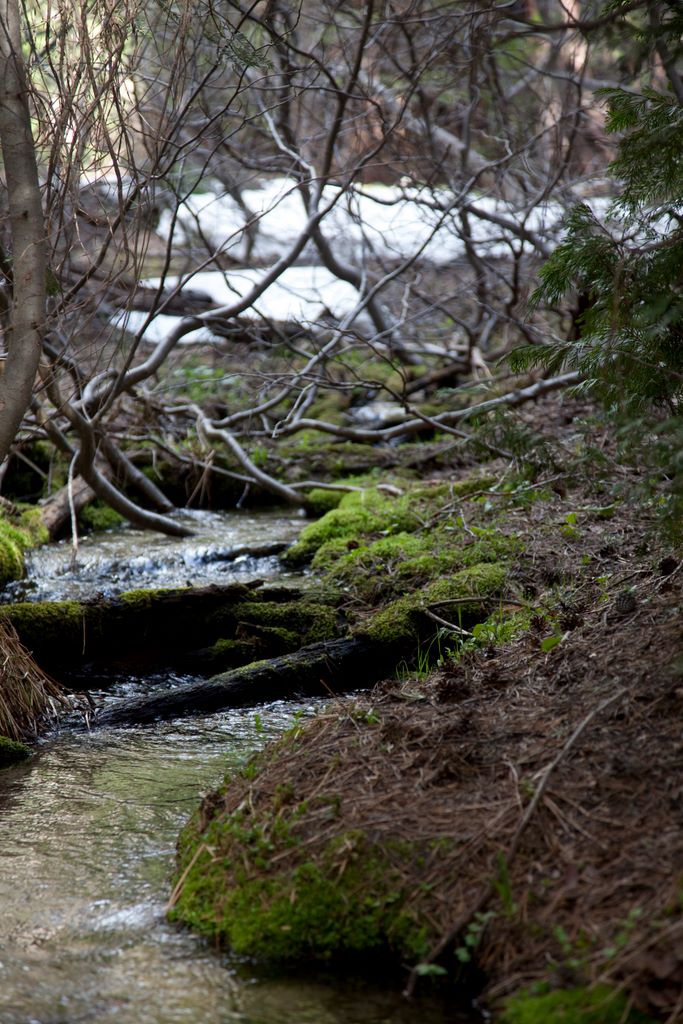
point(27, 695)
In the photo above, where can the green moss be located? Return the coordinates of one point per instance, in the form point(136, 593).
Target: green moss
point(403, 618)
point(357, 514)
point(383, 569)
point(32, 525)
point(331, 407)
point(225, 654)
point(45, 625)
point(370, 514)
point(322, 500)
point(98, 516)
point(279, 639)
point(11, 560)
point(11, 751)
point(15, 539)
point(352, 556)
point(599, 1005)
point(266, 642)
point(490, 546)
point(144, 599)
point(347, 902)
point(333, 550)
point(305, 622)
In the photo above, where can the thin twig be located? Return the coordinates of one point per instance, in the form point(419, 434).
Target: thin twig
point(444, 622)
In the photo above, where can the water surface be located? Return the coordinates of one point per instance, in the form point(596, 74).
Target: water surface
point(125, 558)
point(87, 835)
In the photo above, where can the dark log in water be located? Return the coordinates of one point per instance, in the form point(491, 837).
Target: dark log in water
point(329, 667)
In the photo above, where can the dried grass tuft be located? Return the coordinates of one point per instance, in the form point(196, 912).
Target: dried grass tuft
point(27, 695)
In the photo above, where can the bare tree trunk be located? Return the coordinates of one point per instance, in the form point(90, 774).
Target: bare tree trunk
point(24, 336)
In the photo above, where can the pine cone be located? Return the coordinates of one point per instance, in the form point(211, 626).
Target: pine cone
point(625, 602)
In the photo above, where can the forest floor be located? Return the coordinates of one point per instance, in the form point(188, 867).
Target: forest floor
point(522, 777)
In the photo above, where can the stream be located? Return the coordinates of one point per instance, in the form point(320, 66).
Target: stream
point(88, 828)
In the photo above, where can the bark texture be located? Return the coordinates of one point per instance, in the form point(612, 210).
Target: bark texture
point(24, 332)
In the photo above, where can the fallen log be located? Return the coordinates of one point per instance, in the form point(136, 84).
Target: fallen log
point(328, 667)
point(196, 629)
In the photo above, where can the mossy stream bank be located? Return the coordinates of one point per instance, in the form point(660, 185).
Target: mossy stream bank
point(473, 818)
point(455, 819)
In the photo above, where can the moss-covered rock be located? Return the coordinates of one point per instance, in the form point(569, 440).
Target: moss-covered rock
point(598, 1005)
point(322, 500)
point(374, 570)
point(11, 751)
point(361, 513)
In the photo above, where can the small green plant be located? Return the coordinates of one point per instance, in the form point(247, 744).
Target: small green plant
point(503, 887)
point(500, 628)
point(366, 716)
point(427, 657)
point(569, 529)
point(625, 933)
point(549, 643)
point(250, 770)
point(259, 455)
point(472, 936)
point(430, 970)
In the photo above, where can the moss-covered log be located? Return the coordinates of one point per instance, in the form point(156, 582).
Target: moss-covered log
point(203, 629)
point(331, 666)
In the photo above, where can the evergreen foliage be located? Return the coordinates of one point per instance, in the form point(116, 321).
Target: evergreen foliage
point(630, 269)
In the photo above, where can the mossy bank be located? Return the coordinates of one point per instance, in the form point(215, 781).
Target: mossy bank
point(473, 817)
point(12, 752)
point(20, 530)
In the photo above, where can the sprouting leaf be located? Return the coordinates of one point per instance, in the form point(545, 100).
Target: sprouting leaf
point(430, 970)
point(552, 641)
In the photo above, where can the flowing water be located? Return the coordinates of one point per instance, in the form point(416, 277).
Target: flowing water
point(87, 834)
point(126, 558)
